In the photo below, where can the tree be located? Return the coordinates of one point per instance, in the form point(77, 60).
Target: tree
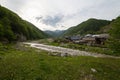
point(8, 33)
point(1, 30)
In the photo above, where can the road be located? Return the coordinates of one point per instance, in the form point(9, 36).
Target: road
point(68, 51)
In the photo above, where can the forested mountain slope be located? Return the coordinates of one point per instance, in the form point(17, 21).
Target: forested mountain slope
point(90, 26)
point(114, 31)
point(13, 28)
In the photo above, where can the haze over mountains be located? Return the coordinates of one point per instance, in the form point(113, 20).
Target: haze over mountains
point(56, 33)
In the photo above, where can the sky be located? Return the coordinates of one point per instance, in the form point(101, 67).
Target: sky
point(62, 14)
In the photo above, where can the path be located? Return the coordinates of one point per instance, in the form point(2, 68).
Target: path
point(62, 50)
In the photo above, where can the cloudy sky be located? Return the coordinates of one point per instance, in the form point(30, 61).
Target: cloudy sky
point(62, 14)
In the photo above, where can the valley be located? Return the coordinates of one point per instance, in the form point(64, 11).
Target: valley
point(87, 51)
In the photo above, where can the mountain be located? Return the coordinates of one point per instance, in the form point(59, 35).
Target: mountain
point(13, 28)
point(114, 31)
point(56, 33)
point(90, 26)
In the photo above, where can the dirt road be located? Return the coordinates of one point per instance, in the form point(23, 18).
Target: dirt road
point(68, 51)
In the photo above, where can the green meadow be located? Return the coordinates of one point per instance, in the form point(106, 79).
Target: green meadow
point(20, 62)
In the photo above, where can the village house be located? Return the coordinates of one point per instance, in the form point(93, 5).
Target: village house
point(73, 38)
point(89, 39)
point(98, 39)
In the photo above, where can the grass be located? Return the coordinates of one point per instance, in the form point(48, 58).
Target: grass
point(24, 63)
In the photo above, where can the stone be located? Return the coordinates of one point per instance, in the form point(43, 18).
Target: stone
point(93, 70)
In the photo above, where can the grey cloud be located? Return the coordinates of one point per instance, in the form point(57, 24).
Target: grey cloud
point(38, 18)
point(51, 20)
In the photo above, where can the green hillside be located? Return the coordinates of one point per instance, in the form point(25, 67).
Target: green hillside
point(114, 41)
point(13, 28)
point(90, 26)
